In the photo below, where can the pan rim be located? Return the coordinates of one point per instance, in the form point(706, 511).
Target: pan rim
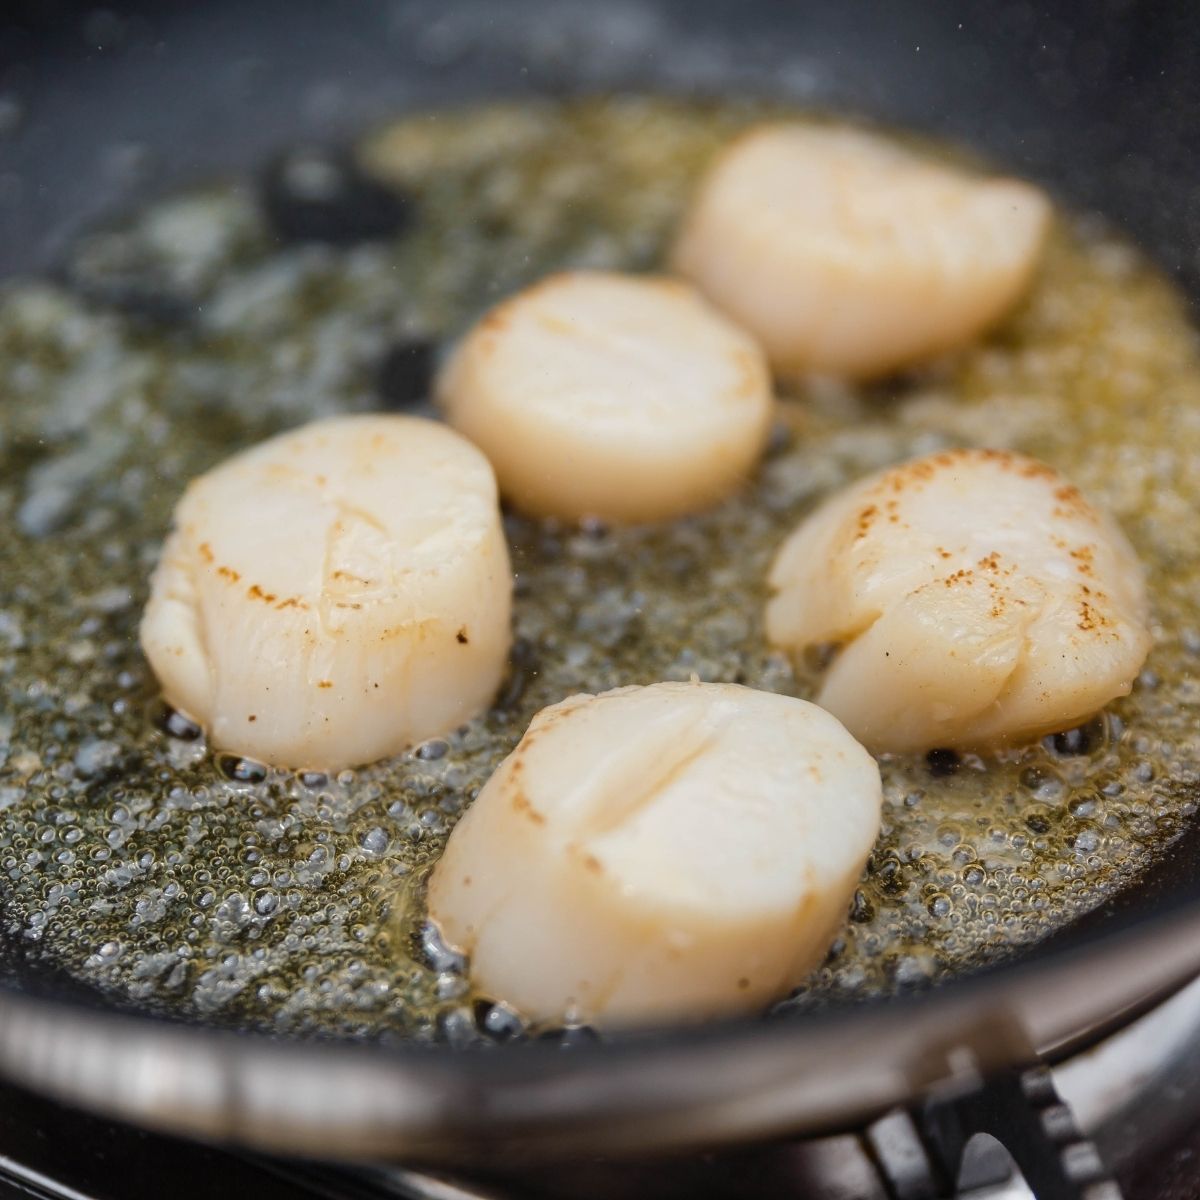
point(722, 1082)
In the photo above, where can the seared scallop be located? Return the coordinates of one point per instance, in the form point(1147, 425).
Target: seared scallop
point(845, 254)
point(657, 853)
point(613, 396)
point(334, 594)
point(975, 597)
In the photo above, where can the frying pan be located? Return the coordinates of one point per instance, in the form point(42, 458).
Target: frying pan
point(1097, 101)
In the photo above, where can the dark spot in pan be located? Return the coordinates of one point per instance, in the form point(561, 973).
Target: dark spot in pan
point(432, 950)
point(433, 749)
point(861, 909)
point(1082, 740)
point(498, 1022)
point(174, 724)
point(523, 665)
point(141, 299)
point(316, 194)
point(942, 763)
point(1037, 823)
point(240, 770)
point(405, 375)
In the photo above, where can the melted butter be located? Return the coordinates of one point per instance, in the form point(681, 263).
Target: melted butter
point(142, 864)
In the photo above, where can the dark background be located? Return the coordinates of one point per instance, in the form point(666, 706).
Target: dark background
point(102, 102)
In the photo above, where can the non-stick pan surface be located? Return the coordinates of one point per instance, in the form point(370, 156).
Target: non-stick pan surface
point(1098, 101)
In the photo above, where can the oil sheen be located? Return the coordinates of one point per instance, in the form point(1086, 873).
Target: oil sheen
point(169, 879)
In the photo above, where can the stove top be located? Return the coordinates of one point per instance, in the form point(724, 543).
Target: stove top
point(1136, 1096)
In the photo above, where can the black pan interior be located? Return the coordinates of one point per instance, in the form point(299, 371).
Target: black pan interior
point(1097, 101)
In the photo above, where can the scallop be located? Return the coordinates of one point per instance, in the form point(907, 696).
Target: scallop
point(334, 594)
point(659, 853)
point(612, 396)
point(847, 255)
point(977, 600)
